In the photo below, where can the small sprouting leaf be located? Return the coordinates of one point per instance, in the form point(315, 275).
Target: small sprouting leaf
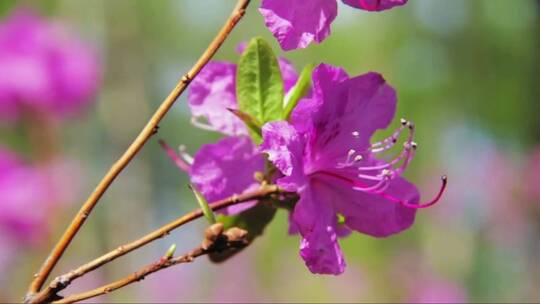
point(207, 211)
point(259, 85)
point(300, 89)
point(253, 220)
point(170, 252)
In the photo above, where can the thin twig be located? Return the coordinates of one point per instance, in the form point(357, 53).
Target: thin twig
point(135, 277)
point(215, 241)
point(147, 132)
point(61, 282)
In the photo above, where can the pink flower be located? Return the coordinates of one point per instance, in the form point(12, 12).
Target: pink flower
point(326, 156)
point(44, 68)
point(434, 290)
point(28, 194)
point(21, 192)
point(227, 167)
point(297, 23)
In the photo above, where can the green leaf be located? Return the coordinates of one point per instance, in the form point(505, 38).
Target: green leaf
point(253, 220)
point(254, 126)
point(207, 211)
point(259, 85)
point(300, 89)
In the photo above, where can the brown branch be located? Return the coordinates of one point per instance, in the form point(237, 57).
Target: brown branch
point(61, 282)
point(147, 132)
point(215, 241)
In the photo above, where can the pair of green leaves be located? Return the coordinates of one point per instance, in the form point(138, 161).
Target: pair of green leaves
point(260, 89)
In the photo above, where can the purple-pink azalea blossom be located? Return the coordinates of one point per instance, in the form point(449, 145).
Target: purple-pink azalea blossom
point(326, 157)
point(44, 68)
point(227, 167)
point(297, 23)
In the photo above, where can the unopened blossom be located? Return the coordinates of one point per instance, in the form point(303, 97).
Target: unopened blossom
point(297, 23)
point(44, 67)
point(326, 156)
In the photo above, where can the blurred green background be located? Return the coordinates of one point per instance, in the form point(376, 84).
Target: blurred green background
point(466, 73)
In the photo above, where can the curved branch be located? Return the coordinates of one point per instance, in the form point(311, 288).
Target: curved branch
point(147, 132)
point(61, 282)
point(215, 240)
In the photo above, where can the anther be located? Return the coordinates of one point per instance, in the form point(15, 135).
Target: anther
point(356, 134)
point(358, 158)
point(403, 121)
point(386, 174)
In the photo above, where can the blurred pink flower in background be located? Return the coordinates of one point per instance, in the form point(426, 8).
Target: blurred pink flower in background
point(44, 67)
point(434, 290)
point(21, 190)
point(29, 194)
point(421, 282)
point(532, 177)
point(485, 194)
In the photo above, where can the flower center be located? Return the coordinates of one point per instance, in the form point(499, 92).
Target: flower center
point(376, 178)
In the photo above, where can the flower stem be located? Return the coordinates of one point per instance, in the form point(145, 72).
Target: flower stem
point(61, 282)
point(146, 133)
point(135, 277)
point(215, 240)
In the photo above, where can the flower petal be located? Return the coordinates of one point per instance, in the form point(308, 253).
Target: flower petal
point(225, 168)
point(316, 220)
point(285, 148)
point(288, 73)
point(374, 5)
point(362, 104)
point(212, 92)
point(374, 215)
point(296, 23)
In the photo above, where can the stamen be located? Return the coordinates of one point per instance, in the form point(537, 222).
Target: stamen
point(444, 181)
point(392, 138)
point(390, 141)
point(350, 154)
point(370, 177)
point(408, 159)
point(186, 156)
point(201, 125)
point(352, 158)
point(396, 160)
point(184, 166)
point(372, 188)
